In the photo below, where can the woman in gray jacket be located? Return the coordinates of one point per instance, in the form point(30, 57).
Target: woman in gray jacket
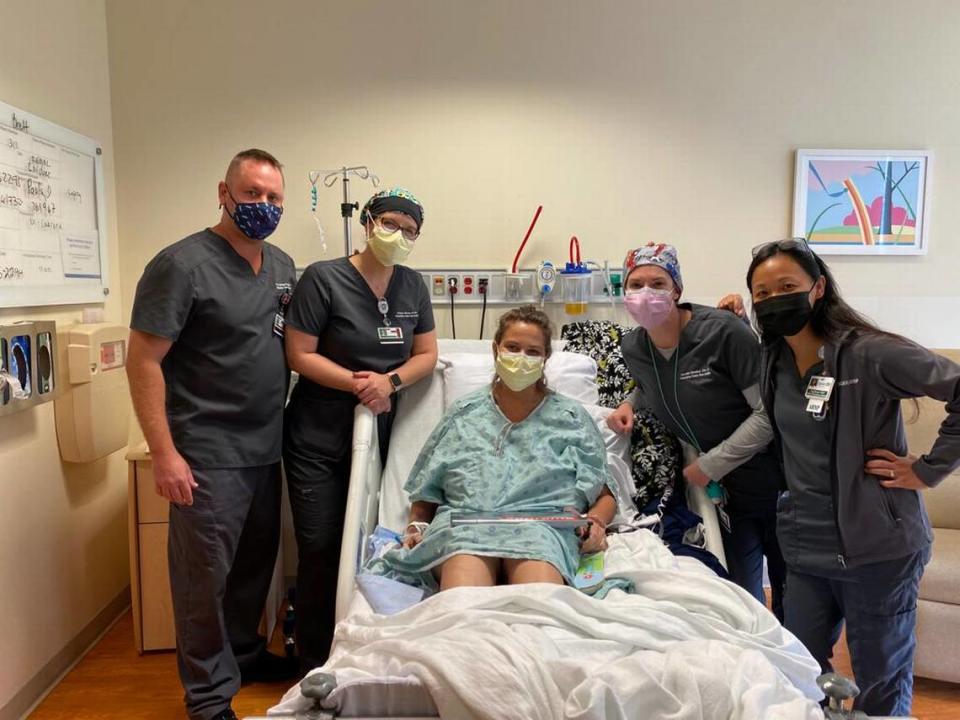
point(851, 523)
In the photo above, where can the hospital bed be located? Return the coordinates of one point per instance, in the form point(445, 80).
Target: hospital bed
point(376, 495)
point(376, 498)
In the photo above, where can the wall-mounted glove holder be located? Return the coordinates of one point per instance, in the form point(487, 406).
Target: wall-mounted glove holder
point(93, 412)
point(28, 365)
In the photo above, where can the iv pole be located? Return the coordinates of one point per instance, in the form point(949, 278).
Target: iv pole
point(346, 207)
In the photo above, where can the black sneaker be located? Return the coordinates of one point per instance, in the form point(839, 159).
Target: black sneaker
point(271, 668)
point(227, 714)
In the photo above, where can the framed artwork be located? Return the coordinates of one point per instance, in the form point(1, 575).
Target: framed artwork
point(862, 202)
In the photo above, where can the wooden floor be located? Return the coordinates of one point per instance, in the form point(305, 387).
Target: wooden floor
point(112, 681)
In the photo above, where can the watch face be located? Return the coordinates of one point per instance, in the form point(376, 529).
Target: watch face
point(395, 379)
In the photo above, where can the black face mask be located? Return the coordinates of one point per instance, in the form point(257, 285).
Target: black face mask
point(783, 315)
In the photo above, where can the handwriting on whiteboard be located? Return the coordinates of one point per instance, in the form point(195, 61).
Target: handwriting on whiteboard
point(51, 212)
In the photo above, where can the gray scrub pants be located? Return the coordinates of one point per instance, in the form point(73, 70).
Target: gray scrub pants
point(222, 551)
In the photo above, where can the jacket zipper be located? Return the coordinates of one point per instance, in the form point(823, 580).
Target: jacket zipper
point(834, 491)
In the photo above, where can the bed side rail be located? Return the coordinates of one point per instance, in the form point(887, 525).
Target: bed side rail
point(363, 502)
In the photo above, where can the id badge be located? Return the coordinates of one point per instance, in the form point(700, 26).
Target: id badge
point(820, 388)
point(278, 325)
point(815, 406)
point(392, 335)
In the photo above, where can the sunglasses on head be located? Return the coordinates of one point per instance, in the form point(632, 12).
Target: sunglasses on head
point(798, 244)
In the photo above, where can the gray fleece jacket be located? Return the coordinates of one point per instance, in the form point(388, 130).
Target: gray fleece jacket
point(874, 372)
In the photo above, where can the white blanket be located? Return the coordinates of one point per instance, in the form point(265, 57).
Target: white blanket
point(685, 645)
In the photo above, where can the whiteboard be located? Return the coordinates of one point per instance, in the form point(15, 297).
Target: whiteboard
point(52, 214)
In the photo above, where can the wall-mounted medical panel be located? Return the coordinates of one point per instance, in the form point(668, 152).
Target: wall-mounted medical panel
point(93, 410)
point(496, 287)
point(28, 365)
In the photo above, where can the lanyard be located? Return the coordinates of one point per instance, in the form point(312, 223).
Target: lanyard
point(682, 422)
point(713, 489)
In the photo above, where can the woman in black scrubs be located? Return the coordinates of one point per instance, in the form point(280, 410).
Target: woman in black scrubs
point(698, 370)
point(358, 329)
point(852, 524)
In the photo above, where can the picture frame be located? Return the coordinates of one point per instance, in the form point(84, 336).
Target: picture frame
point(863, 202)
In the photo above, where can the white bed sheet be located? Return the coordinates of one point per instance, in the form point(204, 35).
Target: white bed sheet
point(686, 645)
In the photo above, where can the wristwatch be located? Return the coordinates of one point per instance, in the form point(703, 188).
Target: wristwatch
point(395, 381)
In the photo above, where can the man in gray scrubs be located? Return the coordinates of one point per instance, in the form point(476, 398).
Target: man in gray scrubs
point(208, 378)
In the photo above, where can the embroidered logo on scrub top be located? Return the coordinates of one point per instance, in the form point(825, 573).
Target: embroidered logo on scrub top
point(695, 374)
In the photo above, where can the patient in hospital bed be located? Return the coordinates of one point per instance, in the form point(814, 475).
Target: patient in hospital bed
point(515, 447)
point(668, 638)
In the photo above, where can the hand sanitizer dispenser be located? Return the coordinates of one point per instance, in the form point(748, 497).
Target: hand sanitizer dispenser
point(93, 411)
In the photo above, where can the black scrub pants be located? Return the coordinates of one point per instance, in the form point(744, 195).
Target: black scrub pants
point(753, 536)
point(879, 604)
point(222, 551)
point(316, 460)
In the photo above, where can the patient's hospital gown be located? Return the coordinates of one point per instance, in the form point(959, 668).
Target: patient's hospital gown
point(477, 461)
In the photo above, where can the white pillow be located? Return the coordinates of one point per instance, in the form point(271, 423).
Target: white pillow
point(570, 374)
point(618, 464)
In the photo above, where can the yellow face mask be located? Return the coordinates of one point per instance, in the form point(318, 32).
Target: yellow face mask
point(389, 248)
point(518, 371)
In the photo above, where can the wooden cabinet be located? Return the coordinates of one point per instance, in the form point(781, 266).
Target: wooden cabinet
point(149, 577)
point(153, 626)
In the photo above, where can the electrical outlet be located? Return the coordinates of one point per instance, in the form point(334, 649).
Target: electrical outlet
point(452, 284)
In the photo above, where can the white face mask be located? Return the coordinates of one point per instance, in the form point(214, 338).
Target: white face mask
point(390, 248)
point(518, 371)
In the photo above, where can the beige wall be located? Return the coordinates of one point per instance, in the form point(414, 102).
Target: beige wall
point(629, 120)
point(63, 548)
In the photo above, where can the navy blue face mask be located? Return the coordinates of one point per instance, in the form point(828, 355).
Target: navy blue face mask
point(255, 220)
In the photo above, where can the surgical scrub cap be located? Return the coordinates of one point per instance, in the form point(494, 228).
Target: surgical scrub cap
point(660, 255)
point(395, 199)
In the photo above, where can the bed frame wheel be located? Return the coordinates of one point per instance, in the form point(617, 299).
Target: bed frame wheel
point(838, 688)
point(317, 686)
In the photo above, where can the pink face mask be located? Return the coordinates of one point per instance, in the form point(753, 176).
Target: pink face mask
point(649, 307)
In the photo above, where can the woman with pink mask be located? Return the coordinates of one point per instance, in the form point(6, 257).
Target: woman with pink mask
point(698, 370)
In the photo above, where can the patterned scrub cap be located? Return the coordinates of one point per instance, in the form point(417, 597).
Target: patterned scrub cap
point(661, 255)
point(396, 199)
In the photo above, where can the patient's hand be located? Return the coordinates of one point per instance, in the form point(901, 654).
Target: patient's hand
point(621, 419)
point(413, 533)
point(593, 538)
point(734, 303)
point(412, 539)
